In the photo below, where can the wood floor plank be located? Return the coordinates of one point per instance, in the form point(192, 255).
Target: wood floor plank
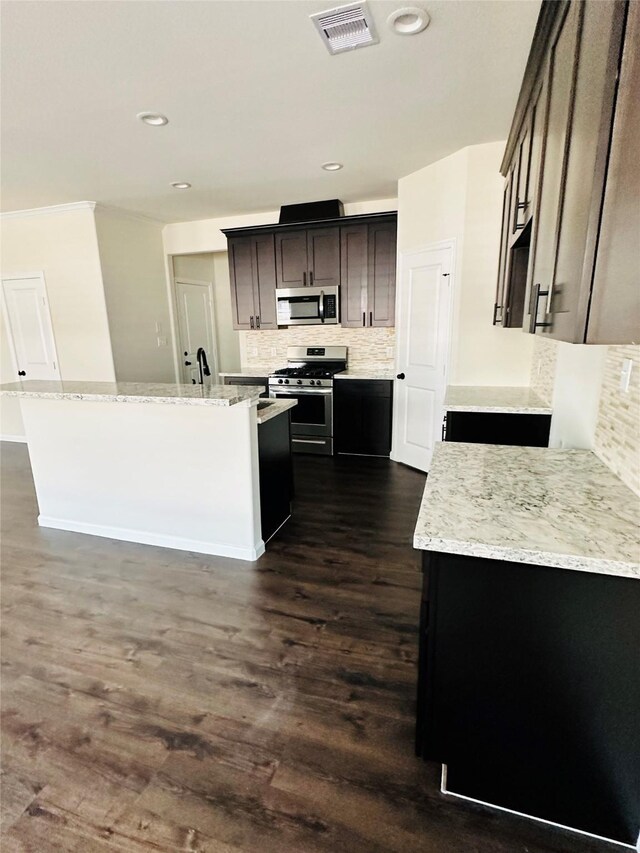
point(156, 700)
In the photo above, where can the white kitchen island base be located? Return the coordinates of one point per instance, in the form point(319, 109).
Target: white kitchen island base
point(160, 473)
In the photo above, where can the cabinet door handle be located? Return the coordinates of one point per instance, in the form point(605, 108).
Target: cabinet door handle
point(187, 363)
point(22, 373)
point(371, 318)
point(311, 279)
point(533, 319)
point(304, 279)
point(364, 318)
point(251, 322)
point(400, 376)
point(257, 321)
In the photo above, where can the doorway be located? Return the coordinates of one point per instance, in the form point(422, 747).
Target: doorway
point(29, 327)
point(202, 314)
point(423, 327)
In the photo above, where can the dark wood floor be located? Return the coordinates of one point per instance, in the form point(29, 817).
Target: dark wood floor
point(158, 700)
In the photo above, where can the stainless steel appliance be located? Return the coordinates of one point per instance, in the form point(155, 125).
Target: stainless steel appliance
point(309, 379)
point(307, 306)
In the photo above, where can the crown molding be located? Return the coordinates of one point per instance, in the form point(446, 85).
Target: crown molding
point(126, 214)
point(49, 211)
point(72, 207)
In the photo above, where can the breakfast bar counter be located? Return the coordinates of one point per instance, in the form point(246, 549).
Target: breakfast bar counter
point(161, 464)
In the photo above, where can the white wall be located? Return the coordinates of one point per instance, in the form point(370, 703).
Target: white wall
point(136, 294)
point(63, 245)
point(214, 267)
point(204, 235)
point(460, 197)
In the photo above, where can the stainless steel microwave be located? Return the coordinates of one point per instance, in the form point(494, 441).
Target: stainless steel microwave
point(308, 306)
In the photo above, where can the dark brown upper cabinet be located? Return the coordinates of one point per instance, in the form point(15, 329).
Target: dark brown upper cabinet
point(252, 272)
point(356, 252)
point(566, 270)
point(308, 258)
point(368, 274)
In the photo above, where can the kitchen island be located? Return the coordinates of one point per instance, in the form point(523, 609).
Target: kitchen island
point(160, 464)
point(528, 689)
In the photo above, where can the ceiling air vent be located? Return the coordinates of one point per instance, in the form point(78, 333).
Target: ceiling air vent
point(346, 27)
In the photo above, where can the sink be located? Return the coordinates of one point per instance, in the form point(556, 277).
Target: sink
point(263, 404)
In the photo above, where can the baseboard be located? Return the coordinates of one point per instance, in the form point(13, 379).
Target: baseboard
point(159, 539)
point(449, 793)
point(21, 439)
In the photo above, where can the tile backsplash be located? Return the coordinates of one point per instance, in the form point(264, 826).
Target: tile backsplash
point(617, 440)
point(367, 347)
point(617, 435)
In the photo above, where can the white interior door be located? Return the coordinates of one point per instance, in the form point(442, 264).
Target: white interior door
point(196, 324)
point(29, 328)
point(422, 330)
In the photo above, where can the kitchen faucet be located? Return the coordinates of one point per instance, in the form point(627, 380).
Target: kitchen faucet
point(203, 366)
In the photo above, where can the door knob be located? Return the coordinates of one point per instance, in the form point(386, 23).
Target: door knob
point(22, 373)
point(188, 363)
point(400, 376)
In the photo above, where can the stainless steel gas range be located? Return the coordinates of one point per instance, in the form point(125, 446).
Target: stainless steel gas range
point(308, 378)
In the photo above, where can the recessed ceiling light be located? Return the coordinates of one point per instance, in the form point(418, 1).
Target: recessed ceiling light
point(408, 21)
point(332, 167)
point(154, 119)
point(181, 185)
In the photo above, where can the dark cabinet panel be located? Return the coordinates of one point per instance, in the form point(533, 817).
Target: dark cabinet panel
point(528, 690)
point(368, 274)
point(323, 256)
point(561, 80)
point(354, 245)
point(241, 276)
point(264, 281)
point(276, 473)
point(292, 268)
point(362, 416)
point(524, 430)
point(578, 124)
point(614, 316)
point(381, 289)
point(252, 277)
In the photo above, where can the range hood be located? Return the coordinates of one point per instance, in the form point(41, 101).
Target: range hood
point(310, 211)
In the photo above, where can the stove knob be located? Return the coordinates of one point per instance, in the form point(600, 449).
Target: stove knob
point(279, 381)
point(286, 381)
point(313, 382)
point(300, 382)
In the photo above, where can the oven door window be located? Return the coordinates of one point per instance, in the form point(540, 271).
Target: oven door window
point(303, 307)
point(310, 409)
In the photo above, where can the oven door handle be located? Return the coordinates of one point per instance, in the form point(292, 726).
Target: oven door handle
point(321, 306)
point(295, 393)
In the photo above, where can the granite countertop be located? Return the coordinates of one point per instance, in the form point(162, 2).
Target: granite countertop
point(274, 408)
point(263, 370)
point(561, 508)
point(135, 392)
point(493, 398)
point(367, 373)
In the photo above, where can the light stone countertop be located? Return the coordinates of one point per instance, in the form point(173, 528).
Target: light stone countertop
point(135, 392)
point(494, 398)
point(560, 508)
point(366, 373)
point(274, 408)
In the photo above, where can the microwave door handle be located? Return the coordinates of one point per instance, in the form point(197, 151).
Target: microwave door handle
point(321, 306)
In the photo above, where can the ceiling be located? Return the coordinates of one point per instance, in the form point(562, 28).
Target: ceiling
point(255, 101)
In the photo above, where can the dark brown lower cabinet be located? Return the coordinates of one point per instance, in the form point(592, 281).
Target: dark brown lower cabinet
point(276, 473)
point(528, 689)
point(362, 411)
point(523, 430)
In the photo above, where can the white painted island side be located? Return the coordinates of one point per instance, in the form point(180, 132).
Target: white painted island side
point(168, 465)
